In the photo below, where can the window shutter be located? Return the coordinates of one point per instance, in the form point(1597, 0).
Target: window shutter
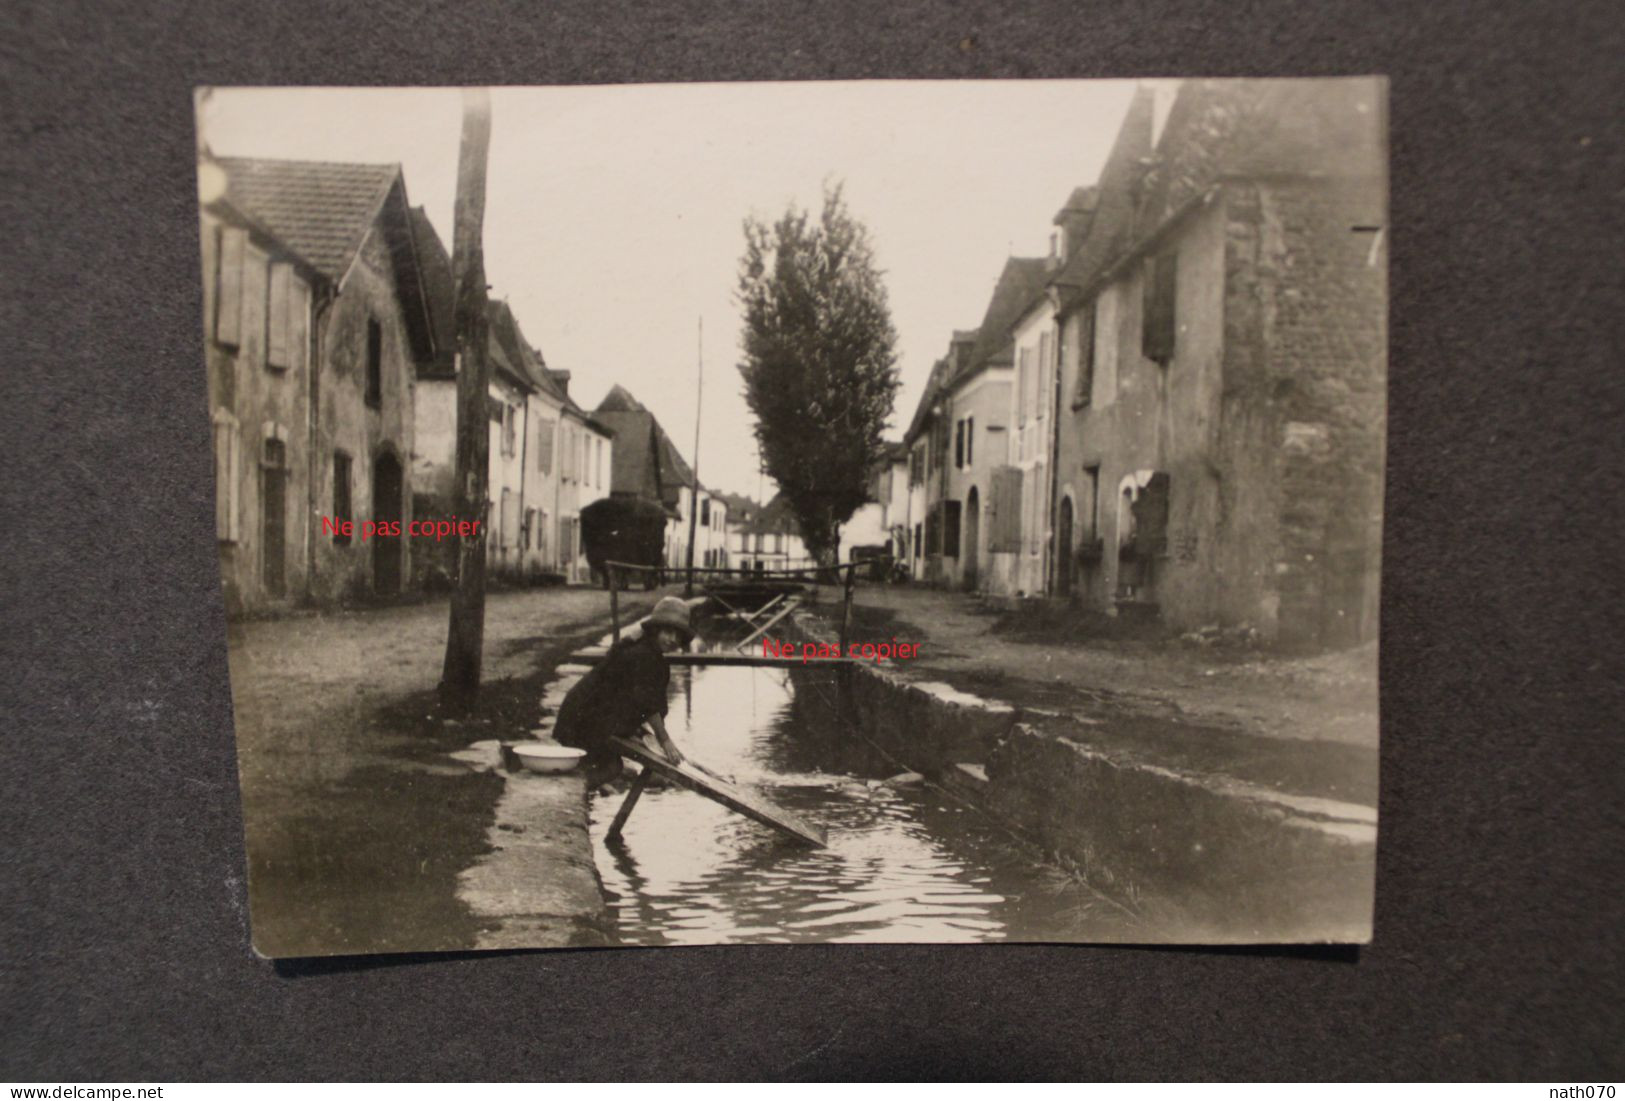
point(1021, 387)
point(228, 470)
point(279, 318)
point(1086, 357)
point(1005, 521)
point(544, 446)
point(1046, 351)
point(1158, 327)
point(228, 303)
point(970, 441)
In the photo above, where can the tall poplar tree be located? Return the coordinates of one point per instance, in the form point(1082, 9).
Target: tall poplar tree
point(819, 361)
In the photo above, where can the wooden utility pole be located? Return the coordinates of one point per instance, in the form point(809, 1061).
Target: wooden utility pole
point(694, 499)
point(465, 639)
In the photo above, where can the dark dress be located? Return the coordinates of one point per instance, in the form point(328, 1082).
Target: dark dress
point(611, 701)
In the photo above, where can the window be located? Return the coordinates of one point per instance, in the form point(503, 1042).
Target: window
point(527, 528)
point(916, 540)
point(227, 478)
point(959, 445)
point(970, 440)
point(759, 543)
point(598, 447)
point(342, 510)
point(1157, 332)
point(705, 512)
point(375, 363)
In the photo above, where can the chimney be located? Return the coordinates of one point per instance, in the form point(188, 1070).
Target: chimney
point(562, 378)
point(1072, 222)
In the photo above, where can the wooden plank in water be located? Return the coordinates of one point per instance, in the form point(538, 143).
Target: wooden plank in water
point(596, 655)
point(740, 800)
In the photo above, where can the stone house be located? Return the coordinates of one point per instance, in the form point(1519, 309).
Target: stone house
point(546, 457)
point(316, 320)
point(978, 465)
point(770, 539)
point(1222, 359)
point(926, 441)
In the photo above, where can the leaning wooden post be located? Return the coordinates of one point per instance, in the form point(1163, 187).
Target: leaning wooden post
point(614, 601)
point(639, 782)
point(465, 637)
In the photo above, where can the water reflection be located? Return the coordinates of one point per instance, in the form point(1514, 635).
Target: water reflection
point(903, 863)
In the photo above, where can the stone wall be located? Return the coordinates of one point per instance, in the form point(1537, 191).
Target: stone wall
point(346, 422)
point(250, 402)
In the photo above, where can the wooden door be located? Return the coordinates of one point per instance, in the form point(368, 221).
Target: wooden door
point(386, 509)
point(274, 519)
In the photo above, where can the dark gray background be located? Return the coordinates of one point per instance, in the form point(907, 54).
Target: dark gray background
point(1497, 953)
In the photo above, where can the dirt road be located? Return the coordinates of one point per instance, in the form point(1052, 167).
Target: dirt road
point(357, 821)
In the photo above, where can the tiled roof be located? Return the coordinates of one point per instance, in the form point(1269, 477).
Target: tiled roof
point(319, 209)
point(645, 460)
point(1020, 284)
point(441, 292)
point(775, 516)
point(922, 411)
point(741, 509)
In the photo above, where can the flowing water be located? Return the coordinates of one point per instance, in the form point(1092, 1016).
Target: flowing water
point(905, 862)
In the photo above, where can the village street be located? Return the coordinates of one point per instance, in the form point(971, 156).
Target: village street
point(1304, 725)
point(360, 821)
point(357, 821)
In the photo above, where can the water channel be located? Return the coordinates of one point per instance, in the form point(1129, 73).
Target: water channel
point(906, 862)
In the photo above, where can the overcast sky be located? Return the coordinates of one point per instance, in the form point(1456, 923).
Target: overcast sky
point(613, 213)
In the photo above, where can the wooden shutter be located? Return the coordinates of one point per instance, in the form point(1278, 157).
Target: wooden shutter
point(1158, 327)
point(950, 528)
point(228, 302)
point(1021, 387)
point(227, 476)
point(277, 315)
point(1046, 353)
point(1004, 520)
point(544, 445)
point(1086, 356)
point(299, 324)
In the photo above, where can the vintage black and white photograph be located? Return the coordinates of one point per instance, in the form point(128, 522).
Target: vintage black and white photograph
point(909, 511)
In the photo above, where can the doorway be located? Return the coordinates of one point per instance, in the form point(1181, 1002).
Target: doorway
point(274, 518)
point(1064, 558)
point(386, 510)
point(973, 538)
